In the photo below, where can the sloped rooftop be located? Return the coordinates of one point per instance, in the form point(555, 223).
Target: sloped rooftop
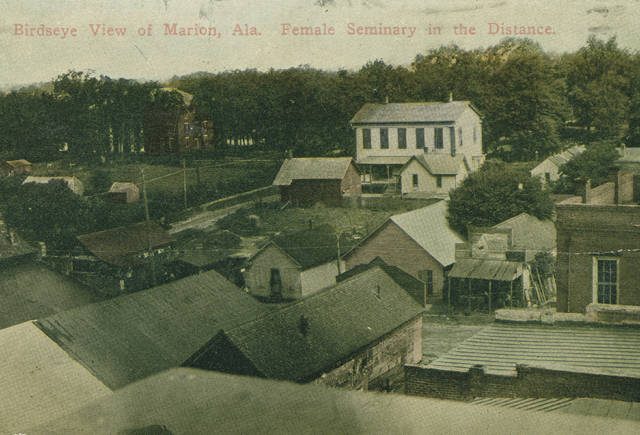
point(429, 228)
point(430, 111)
point(130, 337)
point(499, 347)
point(312, 168)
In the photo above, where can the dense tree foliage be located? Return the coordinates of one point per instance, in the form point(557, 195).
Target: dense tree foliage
point(596, 163)
point(496, 193)
point(530, 100)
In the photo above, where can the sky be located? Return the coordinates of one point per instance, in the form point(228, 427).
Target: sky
point(565, 26)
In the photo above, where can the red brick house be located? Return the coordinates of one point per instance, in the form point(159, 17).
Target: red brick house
point(317, 179)
point(419, 242)
point(598, 264)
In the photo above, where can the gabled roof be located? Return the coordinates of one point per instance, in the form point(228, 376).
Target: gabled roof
point(116, 246)
point(412, 285)
point(429, 228)
point(499, 347)
point(440, 163)
point(39, 380)
point(312, 168)
point(133, 336)
point(309, 248)
point(189, 401)
point(629, 155)
point(30, 290)
point(563, 157)
point(120, 186)
point(529, 232)
point(340, 321)
point(18, 163)
point(423, 112)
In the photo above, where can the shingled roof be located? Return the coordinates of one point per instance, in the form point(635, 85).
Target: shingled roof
point(131, 337)
point(310, 247)
point(312, 168)
point(429, 228)
point(440, 163)
point(421, 112)
point(340, 321)
point(119, 246)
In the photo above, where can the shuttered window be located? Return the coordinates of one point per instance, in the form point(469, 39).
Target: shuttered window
point(402, 138)
point(419, 138)
point(438, 138)
point(366, 138)
point(384, 138)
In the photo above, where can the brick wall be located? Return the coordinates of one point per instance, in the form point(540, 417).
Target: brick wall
point(403, 346)
point(533, 382)
point(396, 248)
point(586, 232)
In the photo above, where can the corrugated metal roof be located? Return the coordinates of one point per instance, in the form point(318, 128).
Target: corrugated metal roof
point(495, 270)
point(605, 350)
point(529, 232)
point(525, 403)
point(441, 163)
point(312, 168)
point(429, 228)
point(130, 337)
point(39, 381)
point(432, 111)
point(30, 290)
point(342, 320)
point(117, 246)
point(187, 401)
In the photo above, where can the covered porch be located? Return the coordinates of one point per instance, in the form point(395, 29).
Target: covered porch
point(486, 285)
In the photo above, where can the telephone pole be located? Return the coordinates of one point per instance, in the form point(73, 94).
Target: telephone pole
point(184, 181)
point(148, 220)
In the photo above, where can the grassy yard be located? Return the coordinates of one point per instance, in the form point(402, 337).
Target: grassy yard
point(163, 178)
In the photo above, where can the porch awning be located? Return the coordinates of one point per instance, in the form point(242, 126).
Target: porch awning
point(383, 160)
point(494, 270)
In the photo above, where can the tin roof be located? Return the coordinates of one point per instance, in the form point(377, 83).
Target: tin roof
point(419, 112)
point(499, 347)
point(494, 270)
point(312, 168)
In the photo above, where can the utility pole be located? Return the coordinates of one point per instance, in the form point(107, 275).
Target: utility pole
point(184, 181)
point(338, 247)
point(148, 220)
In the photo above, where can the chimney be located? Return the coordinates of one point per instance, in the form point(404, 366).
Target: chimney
point(386, 100)
point(450, 97)
point(586, 197)
point(12, 238)
point(43, 249)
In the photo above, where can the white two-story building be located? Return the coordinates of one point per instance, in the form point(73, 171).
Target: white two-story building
point(388, 135)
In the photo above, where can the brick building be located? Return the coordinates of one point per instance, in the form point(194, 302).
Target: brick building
point(353, 334)
point(419, 242)
point(598, 259)
point(305, 181)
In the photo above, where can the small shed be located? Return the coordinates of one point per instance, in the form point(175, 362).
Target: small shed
point(124, 192)
point(16, 167)
point(318, 179)
point(433, 173)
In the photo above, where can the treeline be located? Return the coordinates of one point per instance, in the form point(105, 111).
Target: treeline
point(532, 101)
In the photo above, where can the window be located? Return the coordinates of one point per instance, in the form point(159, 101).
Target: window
point(426, 276)
point(275, 284)
point(419, 138)
point(606, 280)
point(475, 134)
point(438, 180)
point(547, 177)
point(402, 138)
point(438, 138)
point(366, 138)
point(414, 181)
point(384, 138)
point(460, 136)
